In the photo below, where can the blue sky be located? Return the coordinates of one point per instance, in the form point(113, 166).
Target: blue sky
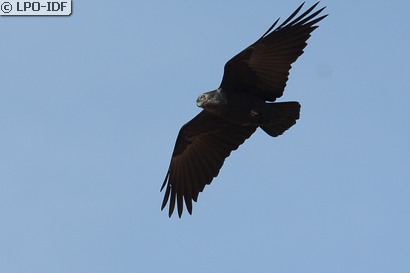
point(91, 104)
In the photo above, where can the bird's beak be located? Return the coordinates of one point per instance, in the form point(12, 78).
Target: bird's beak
point(200, 100)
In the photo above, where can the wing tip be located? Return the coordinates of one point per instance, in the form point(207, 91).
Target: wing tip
point(165, 180)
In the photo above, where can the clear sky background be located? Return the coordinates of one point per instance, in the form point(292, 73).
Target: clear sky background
point(90, 106)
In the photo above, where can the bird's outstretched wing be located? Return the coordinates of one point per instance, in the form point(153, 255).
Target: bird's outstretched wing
point(200, 150)
point(263, 68)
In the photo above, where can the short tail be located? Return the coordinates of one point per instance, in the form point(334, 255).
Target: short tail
point(282, 116)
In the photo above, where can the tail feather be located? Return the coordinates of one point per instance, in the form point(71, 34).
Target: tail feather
point(282, 116)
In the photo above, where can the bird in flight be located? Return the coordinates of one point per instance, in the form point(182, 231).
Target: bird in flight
point(244, 101)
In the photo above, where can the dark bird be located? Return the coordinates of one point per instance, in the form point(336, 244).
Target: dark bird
point(252, 81)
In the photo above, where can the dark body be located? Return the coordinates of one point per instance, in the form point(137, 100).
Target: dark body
point(248, 110)
point(252, 81)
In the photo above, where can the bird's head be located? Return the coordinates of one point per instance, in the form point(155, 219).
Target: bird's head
point(202, 100)
point(212, 98)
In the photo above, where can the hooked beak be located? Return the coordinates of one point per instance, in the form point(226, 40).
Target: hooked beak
point(200, 100)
